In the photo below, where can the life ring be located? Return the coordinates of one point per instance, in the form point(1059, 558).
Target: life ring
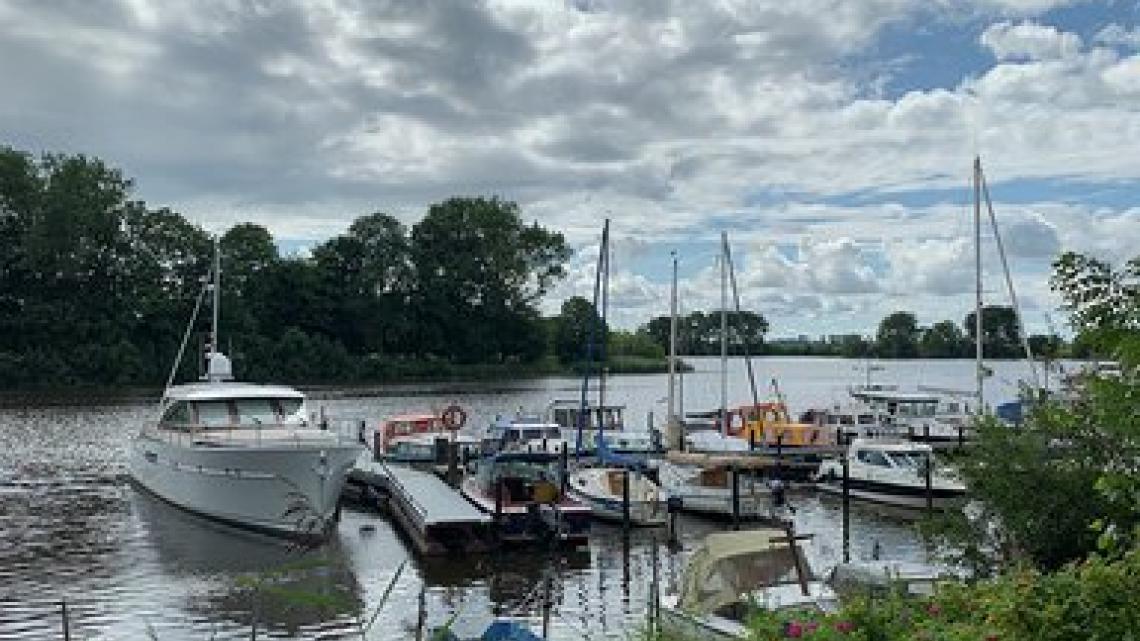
point(453, 417)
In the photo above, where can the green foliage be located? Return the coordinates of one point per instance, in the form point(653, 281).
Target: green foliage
point(1001, 336)
point(1093, 601)
point(942, 340)
point(898, 336)
point(577, 321)
point(96, 288)
point(699, 333)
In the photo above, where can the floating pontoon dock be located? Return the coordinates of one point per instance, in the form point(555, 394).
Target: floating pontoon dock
point(434, 516)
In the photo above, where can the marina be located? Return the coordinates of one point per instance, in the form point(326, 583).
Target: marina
point(64, 484)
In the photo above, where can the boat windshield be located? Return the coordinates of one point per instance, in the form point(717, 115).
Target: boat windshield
point(225, 413)
point(912, 460)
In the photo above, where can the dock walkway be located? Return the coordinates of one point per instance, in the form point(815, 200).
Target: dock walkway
point(432, 514)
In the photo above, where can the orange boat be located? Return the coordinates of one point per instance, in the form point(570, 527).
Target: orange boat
point(770, 424)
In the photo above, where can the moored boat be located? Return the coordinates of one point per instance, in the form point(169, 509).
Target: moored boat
point(603, 489)
point(242, 453)
point(892, 472)
point(523, 492)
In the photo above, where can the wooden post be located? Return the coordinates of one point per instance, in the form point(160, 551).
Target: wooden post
point(498, 507)
point(780, 456)
point(673, 505)
point(565, 468)
point(910, 431)
point(926, 432)
point(625, 501)
point(929, 484)
point(961, 435)
point(66, 620)
point(655, 607)
point(546, 606)
point(735, 497)
point(453, 463)
point(846, 502)
point(751, 440)
point(421, 618)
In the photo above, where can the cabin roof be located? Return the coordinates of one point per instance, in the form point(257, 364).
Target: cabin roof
point(217, 391)
point(904, 397)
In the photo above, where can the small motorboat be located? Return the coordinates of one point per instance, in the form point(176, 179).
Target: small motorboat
point(707, 489)
point(523, 492)
point(603, 489)
point(892, 472)
point(732, 576)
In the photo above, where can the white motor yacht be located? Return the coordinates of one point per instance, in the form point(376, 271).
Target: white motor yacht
point(892, 473)
point(242, 453)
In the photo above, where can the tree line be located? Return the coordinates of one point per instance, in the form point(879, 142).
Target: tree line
point(96, 287)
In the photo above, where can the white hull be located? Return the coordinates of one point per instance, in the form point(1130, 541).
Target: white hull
point(290, 489)
point(909, 501)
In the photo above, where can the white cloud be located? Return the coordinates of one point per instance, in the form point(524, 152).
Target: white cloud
point(1027, 40)
point(1118, 35)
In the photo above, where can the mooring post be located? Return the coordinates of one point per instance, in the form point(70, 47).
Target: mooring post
point(453, 463)
point(673, 505)
point(625, 501)
point(910, 431)
point(546, 606)
point(654, 589)
point(780, 455)
point(926, 432)
point(66, 620)
point(846, 500)
point(565, 467)
point(421, 617)
point(734, 471)
point(929, 484)
point(498, 507)
point(751, 440)
point(961, 435)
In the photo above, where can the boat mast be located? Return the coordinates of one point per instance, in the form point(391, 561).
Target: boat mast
point(214, 342)
point(740, 322)
point(723, 335)
point(671, 416)
point(980, 367)
point(1009, 282)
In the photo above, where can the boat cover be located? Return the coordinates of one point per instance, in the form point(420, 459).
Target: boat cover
point(730, 565)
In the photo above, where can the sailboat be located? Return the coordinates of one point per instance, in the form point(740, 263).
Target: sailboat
point(706, 487)
point(241, 453)
point(618, 480)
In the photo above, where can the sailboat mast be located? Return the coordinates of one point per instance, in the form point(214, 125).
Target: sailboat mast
point(723, 335)
point(671, 417)
point(215, 343)
point(978, 281)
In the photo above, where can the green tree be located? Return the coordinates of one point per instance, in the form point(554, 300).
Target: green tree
point(479, 268)
point(942, 340)
point(572, 331)
point(1001, 336)
point(898, 336)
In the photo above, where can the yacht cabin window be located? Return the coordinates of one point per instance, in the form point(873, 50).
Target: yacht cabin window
point(256, 411)
point(213, 413)
point(177, 414)
point(866, 419)
point(873, 457)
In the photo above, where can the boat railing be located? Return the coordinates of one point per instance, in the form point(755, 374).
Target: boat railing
point(255, 435)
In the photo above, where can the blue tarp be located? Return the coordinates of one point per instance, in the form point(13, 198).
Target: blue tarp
point(508, 631)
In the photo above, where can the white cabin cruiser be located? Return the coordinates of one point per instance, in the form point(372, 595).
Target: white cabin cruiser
point(603, 489)
point(892, 473)
point(243, 454)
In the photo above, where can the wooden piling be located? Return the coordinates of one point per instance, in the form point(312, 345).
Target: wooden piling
point(66, 620)
point(846, 501)
point(929, 473)
point(625, 501)
point(735, 472)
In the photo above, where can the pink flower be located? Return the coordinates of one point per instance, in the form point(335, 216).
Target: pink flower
point(991, 637)
point(933, 609)
point(793, 630)
point(812, 626)
point(845, 626)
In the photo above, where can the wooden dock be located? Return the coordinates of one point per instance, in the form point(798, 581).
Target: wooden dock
point(433, 515)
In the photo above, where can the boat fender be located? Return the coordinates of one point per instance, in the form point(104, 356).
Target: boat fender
point(454, 417)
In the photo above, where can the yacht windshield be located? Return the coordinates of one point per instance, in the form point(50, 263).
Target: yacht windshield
point(913, 460)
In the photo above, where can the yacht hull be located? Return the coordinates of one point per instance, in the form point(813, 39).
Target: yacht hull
point(290, 490)
point(913, 497)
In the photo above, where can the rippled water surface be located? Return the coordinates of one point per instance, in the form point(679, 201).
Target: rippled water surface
point(73, 528)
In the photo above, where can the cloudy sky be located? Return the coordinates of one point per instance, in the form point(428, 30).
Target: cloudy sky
point(832, 139)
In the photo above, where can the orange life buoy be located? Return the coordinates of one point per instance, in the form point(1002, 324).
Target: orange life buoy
point(453, 417)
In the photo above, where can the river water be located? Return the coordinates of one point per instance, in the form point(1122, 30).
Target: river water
point(72, 527)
